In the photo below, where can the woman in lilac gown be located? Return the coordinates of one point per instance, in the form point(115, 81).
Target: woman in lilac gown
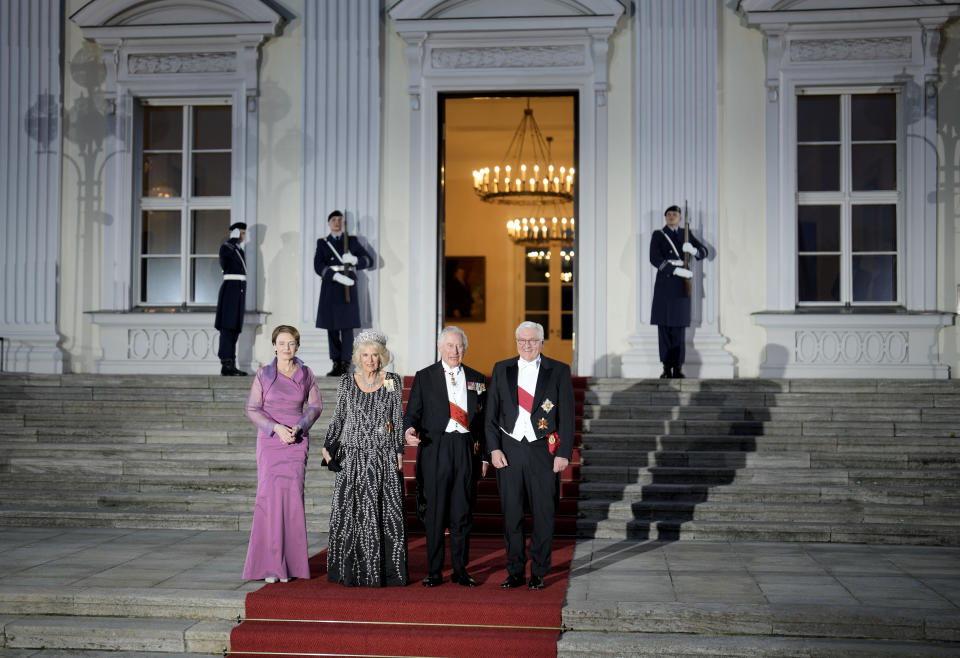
point(284, 403)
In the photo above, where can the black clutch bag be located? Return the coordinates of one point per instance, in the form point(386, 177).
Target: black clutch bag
point(336, 457)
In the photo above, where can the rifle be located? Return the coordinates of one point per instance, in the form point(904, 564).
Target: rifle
point(686, 238)
point(346, 267)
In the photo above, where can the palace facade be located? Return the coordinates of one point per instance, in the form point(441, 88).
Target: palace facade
point(814, 144)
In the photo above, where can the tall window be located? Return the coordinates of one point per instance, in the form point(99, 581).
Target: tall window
point(185, 200)
point(849, 183)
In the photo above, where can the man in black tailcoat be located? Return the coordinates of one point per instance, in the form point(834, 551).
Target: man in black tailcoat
point(336, 260)
point(232, 298)
point(529, 432)
point(670, 310)
point(444, 418)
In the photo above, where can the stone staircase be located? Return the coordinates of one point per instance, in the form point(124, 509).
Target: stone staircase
point(826, 514)
point(862, 461)
point(138, 452)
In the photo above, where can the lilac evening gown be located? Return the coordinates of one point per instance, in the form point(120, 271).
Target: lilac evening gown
point(278, 538)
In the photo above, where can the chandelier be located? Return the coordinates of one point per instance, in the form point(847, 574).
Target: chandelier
point(512, 182)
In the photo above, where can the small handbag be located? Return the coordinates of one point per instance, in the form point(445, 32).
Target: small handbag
point(336, 457)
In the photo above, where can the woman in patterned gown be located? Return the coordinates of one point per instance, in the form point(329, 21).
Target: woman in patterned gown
point(280, 391)
point(368, 539)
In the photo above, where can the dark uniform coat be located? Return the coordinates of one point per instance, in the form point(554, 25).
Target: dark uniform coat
point(671, 304)
point(333, 310)
point(233, 294)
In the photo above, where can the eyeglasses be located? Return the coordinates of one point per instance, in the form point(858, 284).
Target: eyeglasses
point(529, 341)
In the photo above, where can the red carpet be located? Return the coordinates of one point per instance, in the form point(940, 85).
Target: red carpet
point(448, 620)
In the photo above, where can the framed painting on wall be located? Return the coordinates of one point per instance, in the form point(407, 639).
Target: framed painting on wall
point(464, 288)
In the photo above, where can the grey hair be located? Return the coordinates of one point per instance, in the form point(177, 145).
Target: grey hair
point(451, 329)
point(526, 324)
point(377, 340)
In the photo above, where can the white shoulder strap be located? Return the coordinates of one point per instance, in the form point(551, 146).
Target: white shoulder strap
point(669, 241)
point(334, 250)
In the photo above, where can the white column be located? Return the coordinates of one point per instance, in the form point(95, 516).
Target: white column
point(676, 65)
point(341, 148)
point(30, 141)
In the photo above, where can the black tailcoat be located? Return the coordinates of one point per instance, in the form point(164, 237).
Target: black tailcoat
point(553, 409)
point(333, 310)
point(446, 476)
point(233, 294)
point(671, 304)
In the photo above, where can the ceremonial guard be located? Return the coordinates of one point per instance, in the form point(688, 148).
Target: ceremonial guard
point(337, 258)
point(670, 252)
point(232, 298)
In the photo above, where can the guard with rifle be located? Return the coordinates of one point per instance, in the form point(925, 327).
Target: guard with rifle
point(670, 252)
point(336, 260)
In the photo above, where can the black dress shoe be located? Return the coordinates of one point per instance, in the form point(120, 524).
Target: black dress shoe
point(432, 581)
point(666, 373)
point(513, 581)
point(536, 582)
point(464, 579)
point(677, 373)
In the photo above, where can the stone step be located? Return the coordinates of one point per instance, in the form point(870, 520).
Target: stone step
point(165, 603)
point(697, 458)
point(821, 386)
point(769, 531)
point(135, 519)
point(643, 618)
point(947, 398)
point(231, 503)
point(845, 444)
point(839, 512)
point(115, 634)
point(318, 481)
point(581, 644)
point(772, 493)
point(824, 476)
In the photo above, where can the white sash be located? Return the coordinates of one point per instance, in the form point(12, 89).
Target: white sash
point(672, 246)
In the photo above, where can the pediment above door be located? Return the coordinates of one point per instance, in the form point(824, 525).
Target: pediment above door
point(454, 15)
point(160, 18)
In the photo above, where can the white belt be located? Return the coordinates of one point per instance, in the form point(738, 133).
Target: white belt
point(338, 268)
point(234, 277)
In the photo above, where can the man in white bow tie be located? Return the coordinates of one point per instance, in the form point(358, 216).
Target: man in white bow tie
point(529, 433)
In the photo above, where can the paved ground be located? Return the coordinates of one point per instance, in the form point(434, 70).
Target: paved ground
point(650, 587)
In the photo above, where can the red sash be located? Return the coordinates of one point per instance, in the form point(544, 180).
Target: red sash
point(526, 400)
point(460, 415)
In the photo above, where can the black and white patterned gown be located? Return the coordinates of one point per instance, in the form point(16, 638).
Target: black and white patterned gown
point(368, 539)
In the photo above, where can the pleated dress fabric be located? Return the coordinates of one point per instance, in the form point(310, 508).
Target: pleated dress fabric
point(368, 540)
point(278, 537)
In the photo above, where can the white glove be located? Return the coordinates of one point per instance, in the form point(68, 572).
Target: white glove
point(676, 263)
point(349, 259)
point(683, 273)
point(689, 249)
point(345, 280)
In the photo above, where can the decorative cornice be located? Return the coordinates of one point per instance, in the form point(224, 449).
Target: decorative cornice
point(182, 63)
point(818, 50)
point(507, 57)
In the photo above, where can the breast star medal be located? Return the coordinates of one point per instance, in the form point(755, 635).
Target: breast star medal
point(547, 405)
point(542, 424)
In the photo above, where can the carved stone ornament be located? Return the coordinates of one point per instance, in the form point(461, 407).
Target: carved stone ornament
point(183, 63)
point(507, 57)
point(852, 347)
point(166, 344)
point(821, 50)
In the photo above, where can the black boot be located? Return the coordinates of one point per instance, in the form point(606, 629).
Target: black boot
point(228, 368)
point(344, 367)
point(666, 372)
point(677, 373)
point(337, 369)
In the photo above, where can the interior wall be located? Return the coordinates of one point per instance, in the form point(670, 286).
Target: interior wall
point(478, 131)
